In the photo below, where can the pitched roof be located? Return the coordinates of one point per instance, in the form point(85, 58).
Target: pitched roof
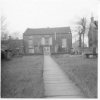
point(31, 31)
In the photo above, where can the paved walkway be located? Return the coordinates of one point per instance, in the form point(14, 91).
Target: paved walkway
point(57, 84)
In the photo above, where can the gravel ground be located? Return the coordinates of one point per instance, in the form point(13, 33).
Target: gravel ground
point(22, 77)
point(82, 71)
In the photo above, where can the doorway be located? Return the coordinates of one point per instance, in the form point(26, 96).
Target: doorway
point(46, 50)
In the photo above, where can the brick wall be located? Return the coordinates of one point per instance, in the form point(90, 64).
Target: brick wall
point(38, 47)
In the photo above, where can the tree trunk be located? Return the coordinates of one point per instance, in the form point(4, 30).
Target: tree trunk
point(80, 41)
point(83, 41)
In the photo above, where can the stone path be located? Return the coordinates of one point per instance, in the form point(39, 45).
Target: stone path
point(57, 84)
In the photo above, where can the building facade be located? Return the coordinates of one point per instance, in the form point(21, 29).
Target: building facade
point(53, 40)
point(93, 33)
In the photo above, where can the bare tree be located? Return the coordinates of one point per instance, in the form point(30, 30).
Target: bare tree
point(4, 31)
point(80, 36)
point(16, 35)
point(82, 29)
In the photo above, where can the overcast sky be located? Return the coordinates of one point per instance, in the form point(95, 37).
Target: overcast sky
point(22, 14)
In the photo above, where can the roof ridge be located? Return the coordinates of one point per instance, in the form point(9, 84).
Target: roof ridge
point(49, 27)
point(30, 31)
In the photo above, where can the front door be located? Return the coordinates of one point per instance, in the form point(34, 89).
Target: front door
point(31, 50)
point(47, 50)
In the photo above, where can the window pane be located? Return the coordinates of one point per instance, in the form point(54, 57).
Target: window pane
point(30, 43)
point(63, 43)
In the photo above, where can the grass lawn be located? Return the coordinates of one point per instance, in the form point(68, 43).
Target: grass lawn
point(22, 77)
point(82, 71)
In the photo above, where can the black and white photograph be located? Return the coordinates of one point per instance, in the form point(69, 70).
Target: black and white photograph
point(49, 49)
